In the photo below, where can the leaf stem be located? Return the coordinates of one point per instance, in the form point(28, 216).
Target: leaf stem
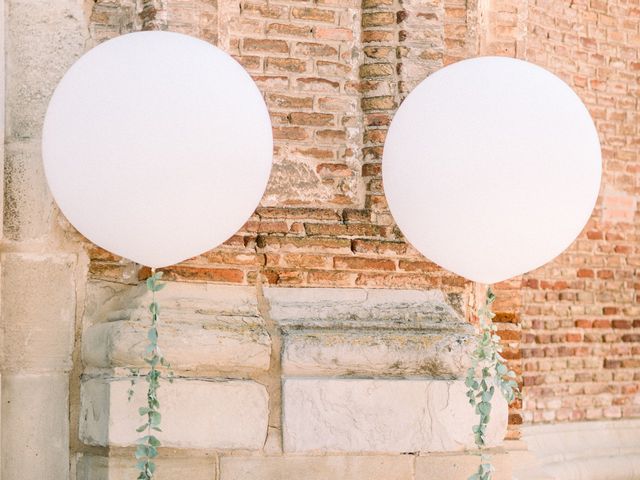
point(148, 445)
point(488, 370)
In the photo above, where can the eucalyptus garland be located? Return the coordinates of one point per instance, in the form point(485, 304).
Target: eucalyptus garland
point(148, 444)
point(487, 371)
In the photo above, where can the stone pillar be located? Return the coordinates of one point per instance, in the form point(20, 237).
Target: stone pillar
point(39, 262)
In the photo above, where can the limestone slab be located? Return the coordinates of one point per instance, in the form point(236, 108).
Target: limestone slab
point(38, 311)
point(35, 427)
point(317, 468)
point(382, 415)
point(192, 345)
point(364, 308)
point(201, 328)
point(376, 352)
point(195, 413)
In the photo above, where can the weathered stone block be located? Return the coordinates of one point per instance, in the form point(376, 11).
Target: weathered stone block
point(375, 352)
point(44, 39)
point(370, 332)
point(35, 427)
point(317, 468)
point(37, 311)
point(190, 346)
point(28, 207)
point(195, 413)
point(202, 328)
point(91, 467)
point(364, 308)
point(394, 416)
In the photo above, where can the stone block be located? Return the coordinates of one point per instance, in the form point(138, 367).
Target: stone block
point(364, 308)
point(93, 467)
point(28, 208)
point(189, 346)
point(202, 328)
point(317, 468)
point(195, 413)
point(382, 416)
point(376, 352)
point(38, 311)
point(44, 38)
point(35, 427)
point(370, 332)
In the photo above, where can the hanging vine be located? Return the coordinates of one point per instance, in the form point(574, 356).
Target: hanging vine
point(488, 371)
point(148, 444)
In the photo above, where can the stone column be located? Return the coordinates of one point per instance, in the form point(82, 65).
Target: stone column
point(39, 259)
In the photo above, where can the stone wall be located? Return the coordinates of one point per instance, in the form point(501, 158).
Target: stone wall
point(315, 342)
point(580, 313)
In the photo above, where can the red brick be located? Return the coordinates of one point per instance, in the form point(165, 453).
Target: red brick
point(290, 133)
point(314, 14)
point(287, 30)
point(285, 65)
point(585, 273)
point(313, 119)
point(361, 263)
point(223, 275)
point(340, 34)
point(264, 45)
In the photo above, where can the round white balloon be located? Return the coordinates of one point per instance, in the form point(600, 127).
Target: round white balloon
point(491, 167)
point(157, 146)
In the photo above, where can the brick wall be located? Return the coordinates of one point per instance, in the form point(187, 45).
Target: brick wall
point(581, 313)
point(333, 73)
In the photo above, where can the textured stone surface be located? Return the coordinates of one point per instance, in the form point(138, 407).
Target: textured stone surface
point(369, 332)
point(461, 466)
point(602, 450)
point(35, 427)
point(316, 468)
point(44, 38)
point(202, 328)
point(92, 467)
point(394, 416)
point(381, 353)
point(37, 311)
point(191, 345)
point(195, 413)
point(364, 308)
point(28, 205)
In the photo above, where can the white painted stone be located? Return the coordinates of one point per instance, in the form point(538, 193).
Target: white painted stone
point(195, 413)
point(92, 467)
point(35, 427)
point(37, 311)
point(317, 468)
point(377, 352)
point(391, 416)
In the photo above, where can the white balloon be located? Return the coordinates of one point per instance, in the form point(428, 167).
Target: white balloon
point(157, 146)
point(491, 167)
